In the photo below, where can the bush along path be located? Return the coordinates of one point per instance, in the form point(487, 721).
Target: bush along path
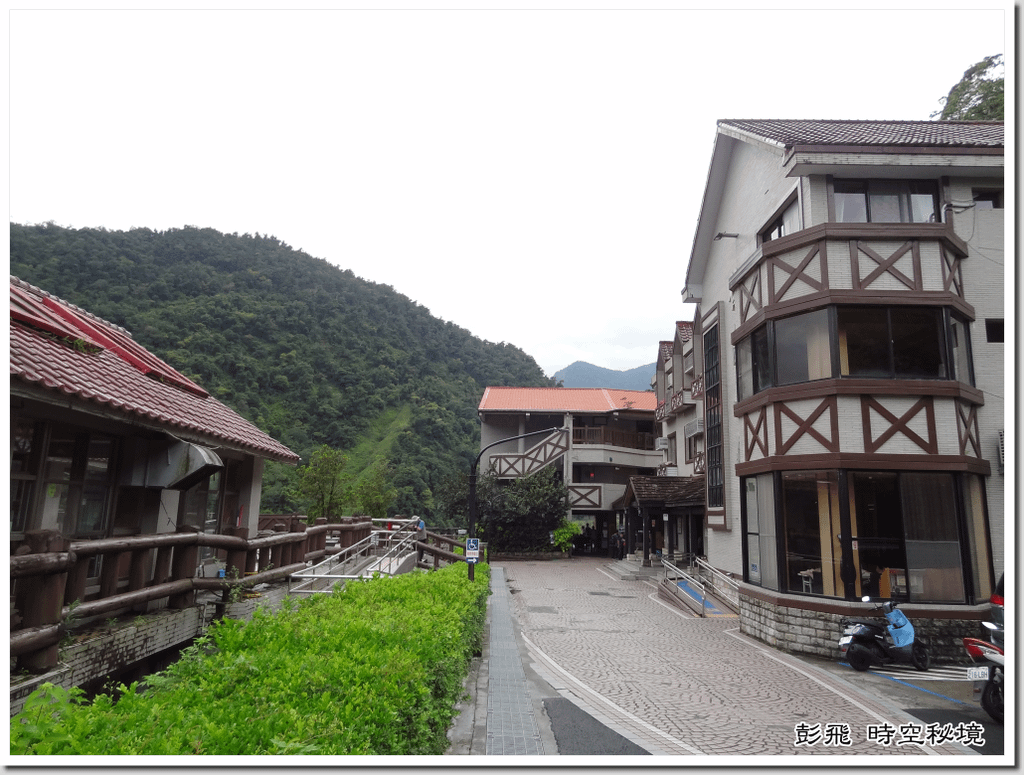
point(375, 668)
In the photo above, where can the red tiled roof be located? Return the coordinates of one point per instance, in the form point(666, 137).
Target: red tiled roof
point(964, 134)
point(111, 370)
point(685, 329)
point(519, 399)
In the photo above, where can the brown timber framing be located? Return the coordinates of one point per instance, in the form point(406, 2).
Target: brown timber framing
point(774, 254)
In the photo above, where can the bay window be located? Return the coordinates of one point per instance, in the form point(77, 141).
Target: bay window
point(856, 342)
point(917, 536)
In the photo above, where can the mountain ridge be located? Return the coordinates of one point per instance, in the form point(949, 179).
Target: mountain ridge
point(581, 374)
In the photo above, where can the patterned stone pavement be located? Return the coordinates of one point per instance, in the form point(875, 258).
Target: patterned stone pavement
point(681, 685)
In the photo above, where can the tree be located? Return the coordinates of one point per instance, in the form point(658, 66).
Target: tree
point(979, 94)
point(322, 484)
point(375, 492)
point(522, 515)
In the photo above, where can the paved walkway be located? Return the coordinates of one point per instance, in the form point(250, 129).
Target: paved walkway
point(571, 641)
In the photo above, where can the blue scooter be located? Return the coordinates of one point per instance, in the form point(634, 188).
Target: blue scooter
point(866, 642)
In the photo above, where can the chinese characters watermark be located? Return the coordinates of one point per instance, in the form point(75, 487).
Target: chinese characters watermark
point(838, 735)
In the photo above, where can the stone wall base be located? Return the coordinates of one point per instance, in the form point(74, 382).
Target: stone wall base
point(806, 625)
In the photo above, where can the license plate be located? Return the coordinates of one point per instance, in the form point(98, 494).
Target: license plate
point(846, 640)
point(977, 673)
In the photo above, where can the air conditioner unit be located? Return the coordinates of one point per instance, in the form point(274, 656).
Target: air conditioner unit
point(661, 443)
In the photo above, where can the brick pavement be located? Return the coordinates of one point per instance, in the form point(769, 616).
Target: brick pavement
point(680, 685)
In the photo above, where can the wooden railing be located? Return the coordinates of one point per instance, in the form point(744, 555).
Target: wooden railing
point(50, 574)
point(615, 438)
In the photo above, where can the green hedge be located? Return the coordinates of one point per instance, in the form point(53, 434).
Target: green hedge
point(376, 668)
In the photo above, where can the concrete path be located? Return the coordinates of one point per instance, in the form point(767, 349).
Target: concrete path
point(582, 662)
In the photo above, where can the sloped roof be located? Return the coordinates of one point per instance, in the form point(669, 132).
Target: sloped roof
point(659, 491)
point(789, 133)
point(665, 350)
point(685, 330)
point(520, 399)
point(64, 349)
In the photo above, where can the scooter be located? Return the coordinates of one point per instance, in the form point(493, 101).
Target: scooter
point(988, 678)
point(864, 642)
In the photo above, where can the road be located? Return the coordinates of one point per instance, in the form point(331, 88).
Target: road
point(604, 667)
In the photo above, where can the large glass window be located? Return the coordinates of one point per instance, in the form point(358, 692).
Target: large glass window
point(905, 536)
point(753, 363)
point(872, 343)
point(802, 348)
point(713, 419)
point(886, 201)
point(891, 342)
point(810, 513)
point(762, 565)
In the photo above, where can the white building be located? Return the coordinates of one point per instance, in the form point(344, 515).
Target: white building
point(849, 283)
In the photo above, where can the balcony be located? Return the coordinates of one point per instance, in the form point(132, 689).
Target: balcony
point(613, 438)
point(676, 402)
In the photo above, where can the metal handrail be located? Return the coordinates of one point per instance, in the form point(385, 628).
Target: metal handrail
point(696, 582)
point(369, 547)
point(715, 573)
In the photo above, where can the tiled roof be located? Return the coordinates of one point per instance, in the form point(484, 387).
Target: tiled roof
point(109, 369)
point(685, 329)
point(657, 491)
point(519, 399)
point(966, 134)
point(665, 350)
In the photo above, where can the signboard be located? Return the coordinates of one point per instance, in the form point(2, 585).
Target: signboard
point(472, 549)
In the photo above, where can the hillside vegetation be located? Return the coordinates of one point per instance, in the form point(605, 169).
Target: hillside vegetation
point(309, 352)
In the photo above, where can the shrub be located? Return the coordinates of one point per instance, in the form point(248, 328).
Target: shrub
point(375, 668)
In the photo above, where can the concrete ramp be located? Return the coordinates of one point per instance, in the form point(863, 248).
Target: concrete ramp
point(691, 598)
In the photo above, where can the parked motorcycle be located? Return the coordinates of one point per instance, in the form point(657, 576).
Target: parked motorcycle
point(867, 642)
point(988, 677)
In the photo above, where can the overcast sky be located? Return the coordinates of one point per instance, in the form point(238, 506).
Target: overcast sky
point(532, 176)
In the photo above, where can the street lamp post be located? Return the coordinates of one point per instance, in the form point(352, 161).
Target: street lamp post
point(472, 481)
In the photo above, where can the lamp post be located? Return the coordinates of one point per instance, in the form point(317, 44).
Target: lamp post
point(472, 481)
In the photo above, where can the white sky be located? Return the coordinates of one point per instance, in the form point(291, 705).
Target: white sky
point(534, 176)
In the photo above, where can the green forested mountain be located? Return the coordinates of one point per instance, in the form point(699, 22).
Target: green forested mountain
point(309, 352)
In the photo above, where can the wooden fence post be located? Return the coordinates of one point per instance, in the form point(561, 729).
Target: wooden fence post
point(40, 599)
point(183, 566)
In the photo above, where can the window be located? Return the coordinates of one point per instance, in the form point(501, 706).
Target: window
point(906, 537)
point(713, 419)
point(802, 350)
point(905, 540)
point(753, 363)
point(200, 508)
point(77, 483)
point(886, 201)
point(988, 199)
point(759, 515)
point(786, 223)
point(960, 343)
point(810, 515)
point(891, 343)
point(994, 330)
point(26, 442)
point(871, 343)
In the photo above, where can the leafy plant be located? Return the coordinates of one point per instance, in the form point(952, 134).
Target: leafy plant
point(564, 534)
point(375, 668)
